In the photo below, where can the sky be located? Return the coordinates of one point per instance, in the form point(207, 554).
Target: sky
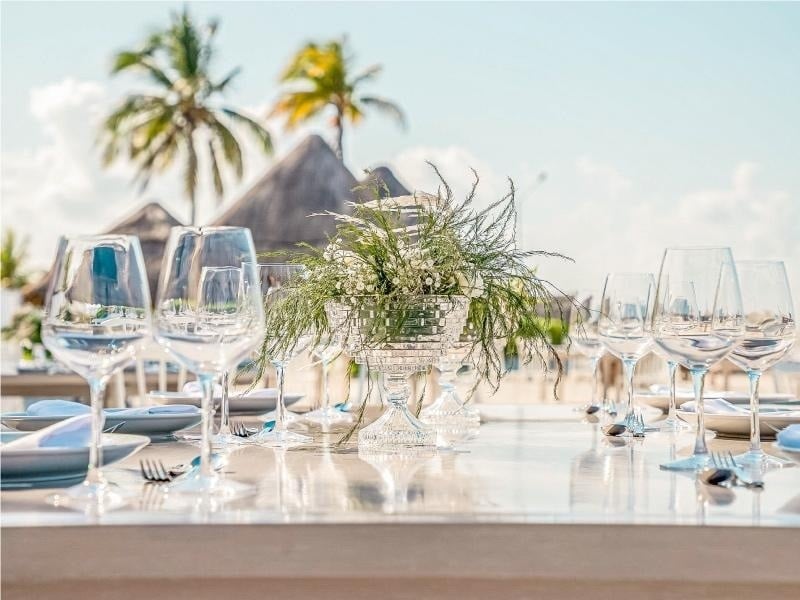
point(656, 124)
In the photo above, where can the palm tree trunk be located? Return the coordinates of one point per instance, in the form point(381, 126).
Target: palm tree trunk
point(339, 124)
point(193, 208)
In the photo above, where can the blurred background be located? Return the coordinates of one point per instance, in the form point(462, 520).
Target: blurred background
point(626, 128)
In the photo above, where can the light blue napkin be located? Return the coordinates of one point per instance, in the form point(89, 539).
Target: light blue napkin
point(790, 437)
point(74, 432)
point(65, 408)
point(716, 406)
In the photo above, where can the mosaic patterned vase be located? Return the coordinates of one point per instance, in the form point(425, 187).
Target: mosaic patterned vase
point(398, 341)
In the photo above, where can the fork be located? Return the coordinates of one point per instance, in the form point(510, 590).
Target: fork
point(154, 471)
point(727, 461)
point(239, 429)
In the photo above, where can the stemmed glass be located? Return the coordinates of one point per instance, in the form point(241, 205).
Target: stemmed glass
point(769, 334)
point(269, 281)
point(208, 319)
point(681, 300)
point(697, 321)
point(97, 314)
point(583, 324)
point(625, 310)
point(327, 350)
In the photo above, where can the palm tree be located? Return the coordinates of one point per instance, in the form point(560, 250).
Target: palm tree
point(13, 254)
point(182, 115)
point(323, 75)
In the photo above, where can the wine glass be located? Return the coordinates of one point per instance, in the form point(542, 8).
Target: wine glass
point(700, 330)
point(681, 300)
point(220, 289)
point(208, 320)
point(97, 313)
point(327, 350)
point(622, 326)
point(769, 334)
point(583, 326)
point(271, 282)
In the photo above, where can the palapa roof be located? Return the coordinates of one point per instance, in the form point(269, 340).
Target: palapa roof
point(151, 223)
point(384, 179)
point(310, 179)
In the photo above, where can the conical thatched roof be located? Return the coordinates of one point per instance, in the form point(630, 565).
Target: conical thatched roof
point(385, 180)
point(310, 179)
point(151, 223)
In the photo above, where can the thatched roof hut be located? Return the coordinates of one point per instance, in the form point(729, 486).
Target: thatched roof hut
point(384, 179)
point(151, 223)
point(310, 179)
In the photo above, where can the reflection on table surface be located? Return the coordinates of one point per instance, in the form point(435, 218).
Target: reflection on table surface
point(549, 467)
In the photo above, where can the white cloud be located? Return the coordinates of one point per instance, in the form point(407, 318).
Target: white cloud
point(59, 187)
point(605, 220)
point(606, 176)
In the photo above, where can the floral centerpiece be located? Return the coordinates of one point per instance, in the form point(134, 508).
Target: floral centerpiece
point(398, 283)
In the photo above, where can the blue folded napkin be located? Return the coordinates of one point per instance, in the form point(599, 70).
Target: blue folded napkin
point(74, 432)
point(65, 408)
point(790, 437)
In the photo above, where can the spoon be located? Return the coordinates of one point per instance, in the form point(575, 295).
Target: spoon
point(614, 429)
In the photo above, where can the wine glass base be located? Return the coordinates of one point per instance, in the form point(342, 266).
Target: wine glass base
point(210, 486)
point(289, 417)
point(396, 431)
point(696, 462)
point(221, 441)
point(92, 497)
point(671, 426)
point(280, 439)
point(761, 460)
point(451, 420)
point(328, 416)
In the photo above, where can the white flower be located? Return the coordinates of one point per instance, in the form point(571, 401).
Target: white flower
point(396, 281)
point(360, 286)
point(404, 290)
point(370, 288)
point(428, 281)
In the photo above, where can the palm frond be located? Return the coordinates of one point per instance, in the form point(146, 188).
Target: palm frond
point(230, 147)
point(261, 134)
point(386, 106)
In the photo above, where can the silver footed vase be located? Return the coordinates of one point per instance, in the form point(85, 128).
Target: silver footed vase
point(398, 339)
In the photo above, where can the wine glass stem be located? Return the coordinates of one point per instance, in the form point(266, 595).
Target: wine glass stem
point(629, 365)
point(397, 389)
point(206, 408)
point(698, 380)
point(280, 408)
point(224, 419)
point(97, 389)
point(755, 425)
point(672, 369)
point(595, 362)
point(326, 399)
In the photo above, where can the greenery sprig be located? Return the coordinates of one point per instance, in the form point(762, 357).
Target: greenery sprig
point(393, 251)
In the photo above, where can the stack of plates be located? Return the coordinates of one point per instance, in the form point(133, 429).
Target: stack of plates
point(58, 467)
point(737, 425)
point(660, 399)
point(158, 427)
point(254, 403)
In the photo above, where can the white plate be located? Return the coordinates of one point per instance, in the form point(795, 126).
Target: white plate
point(158, 427)
point(30, 467)
point(738, 425)
point(239, 405)
point(661, 401)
